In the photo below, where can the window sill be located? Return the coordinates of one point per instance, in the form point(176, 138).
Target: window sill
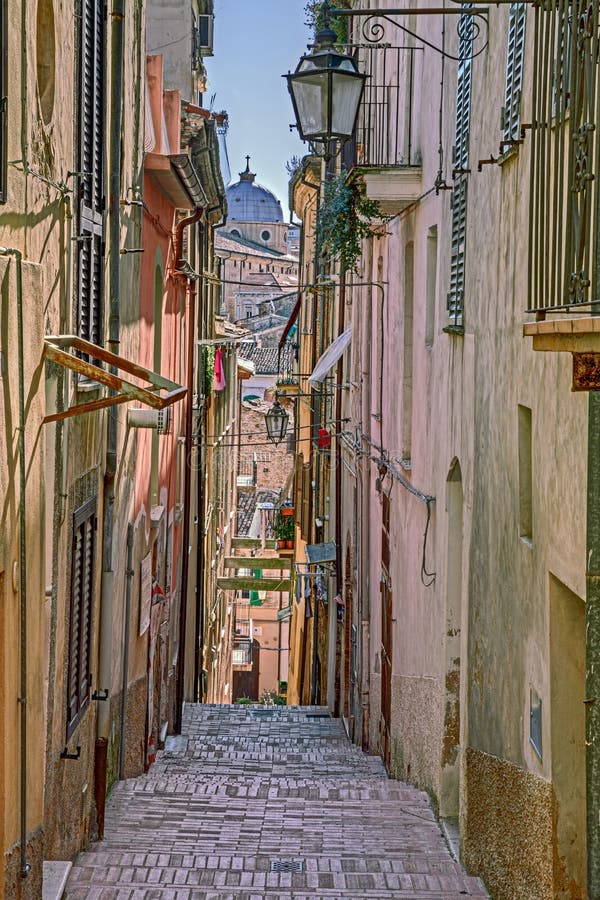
point(85, 385)
point(454, 329)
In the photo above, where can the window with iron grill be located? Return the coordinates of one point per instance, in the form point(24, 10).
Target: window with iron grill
point(82, 593)
point(455, 299)
point(511, 111)
point(90, 165)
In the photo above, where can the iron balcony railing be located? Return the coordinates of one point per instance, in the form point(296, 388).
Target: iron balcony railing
point(564, 264)
point(384, 134)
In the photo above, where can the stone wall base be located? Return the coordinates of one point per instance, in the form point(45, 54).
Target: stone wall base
point(506, 828)
point(29, 888)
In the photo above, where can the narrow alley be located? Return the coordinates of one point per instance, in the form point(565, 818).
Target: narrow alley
point(254, 802)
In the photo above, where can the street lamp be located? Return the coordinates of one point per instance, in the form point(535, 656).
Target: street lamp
point(326, 90)
point(277, 422)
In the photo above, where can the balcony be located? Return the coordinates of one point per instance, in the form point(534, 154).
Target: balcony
point(383, 154)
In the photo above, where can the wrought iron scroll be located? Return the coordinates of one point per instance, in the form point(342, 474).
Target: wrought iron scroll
point(374, 31)
point(565, 200)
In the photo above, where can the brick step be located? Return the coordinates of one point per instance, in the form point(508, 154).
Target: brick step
point(420, 885)
point(122, 855)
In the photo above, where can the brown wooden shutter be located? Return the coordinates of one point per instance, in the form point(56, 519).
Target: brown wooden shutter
point(82, 595)
point(306, 501)
point(91, 171)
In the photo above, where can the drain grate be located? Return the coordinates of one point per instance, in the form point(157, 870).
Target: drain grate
point(263, 712)
point(318, 716)
point(286, 865)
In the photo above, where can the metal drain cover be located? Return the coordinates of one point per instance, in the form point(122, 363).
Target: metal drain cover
point(286, 865)
point(318, 716)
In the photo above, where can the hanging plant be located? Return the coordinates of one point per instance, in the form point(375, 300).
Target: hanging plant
point(209, 370)
point(346, 218)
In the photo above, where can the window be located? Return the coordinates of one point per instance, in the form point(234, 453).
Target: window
point(90, 165)
point(431, 284)
point(234, 232)
point(455, 300)
point(266, 235)
point(82, 592)
point(511, 111)
point(525, 475)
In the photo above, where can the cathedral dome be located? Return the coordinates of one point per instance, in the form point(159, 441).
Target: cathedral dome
point(248, 201)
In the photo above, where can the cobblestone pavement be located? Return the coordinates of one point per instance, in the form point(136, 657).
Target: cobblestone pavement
point(267, 802)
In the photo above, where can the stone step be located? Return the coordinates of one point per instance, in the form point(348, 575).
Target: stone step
point(54, 878)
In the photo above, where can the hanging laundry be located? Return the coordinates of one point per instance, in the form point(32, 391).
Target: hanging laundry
point(219, 382)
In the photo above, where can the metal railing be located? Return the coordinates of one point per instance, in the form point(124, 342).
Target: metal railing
point(384, 134)
point(564, 272)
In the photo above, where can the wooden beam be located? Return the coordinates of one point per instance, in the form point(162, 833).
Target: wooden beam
point(246, 543)
point(257, 562)
point(254, 584)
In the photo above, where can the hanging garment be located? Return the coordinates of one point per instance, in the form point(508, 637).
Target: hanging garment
point(219, 382)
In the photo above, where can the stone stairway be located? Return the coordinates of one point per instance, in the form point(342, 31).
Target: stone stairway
point(267, 802)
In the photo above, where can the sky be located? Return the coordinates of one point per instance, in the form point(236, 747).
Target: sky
point(255, 43)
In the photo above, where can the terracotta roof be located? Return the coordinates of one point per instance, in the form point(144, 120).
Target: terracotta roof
point(232, 244)
point(265, 358)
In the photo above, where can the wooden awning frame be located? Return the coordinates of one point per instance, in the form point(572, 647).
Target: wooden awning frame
point(57, 349)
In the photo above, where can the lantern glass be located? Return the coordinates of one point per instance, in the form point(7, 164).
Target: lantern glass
point(277, 422)
point(326, 91)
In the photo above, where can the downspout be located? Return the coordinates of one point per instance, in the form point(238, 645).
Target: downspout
point(592, 649)
point(114, 276)
point(22, 699)
point(338, 494)
point(185, 541)
point(126, 635)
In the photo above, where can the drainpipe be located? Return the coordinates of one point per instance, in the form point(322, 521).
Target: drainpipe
point(592, 650)
point(105, 650)
point(126, 635)
point(338, 496)
point(185, 542)
point(24, 867)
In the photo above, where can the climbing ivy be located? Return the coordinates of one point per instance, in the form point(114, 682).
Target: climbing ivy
point(345, 219)
point(208, 369)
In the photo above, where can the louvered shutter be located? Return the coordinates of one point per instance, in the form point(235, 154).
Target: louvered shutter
point(511, 113)
point(455, 302)
point(455, 299)
point(91, 168)
point(82, 595)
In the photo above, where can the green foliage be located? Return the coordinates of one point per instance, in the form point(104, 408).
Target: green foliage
point(283, 527)
point(346, 219)
point(208, 369)
point(314, 18)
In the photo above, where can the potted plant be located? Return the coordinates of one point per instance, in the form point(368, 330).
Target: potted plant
point(285, 529)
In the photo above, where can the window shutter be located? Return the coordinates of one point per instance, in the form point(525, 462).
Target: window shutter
point(514, 71)
point(91, 168)
point(306, 502)
point(455, 300)
point(82, 595)
point(460, 155)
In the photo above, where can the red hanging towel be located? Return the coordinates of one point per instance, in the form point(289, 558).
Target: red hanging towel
point(219, 378)
point(324, 439)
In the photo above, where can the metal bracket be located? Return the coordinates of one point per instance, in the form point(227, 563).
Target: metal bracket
point(101, 695)
point(66, 755)
point(374, 32)
point(57, 349)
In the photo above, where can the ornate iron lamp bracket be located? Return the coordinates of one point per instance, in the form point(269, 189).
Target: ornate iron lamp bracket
point(373, 30)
